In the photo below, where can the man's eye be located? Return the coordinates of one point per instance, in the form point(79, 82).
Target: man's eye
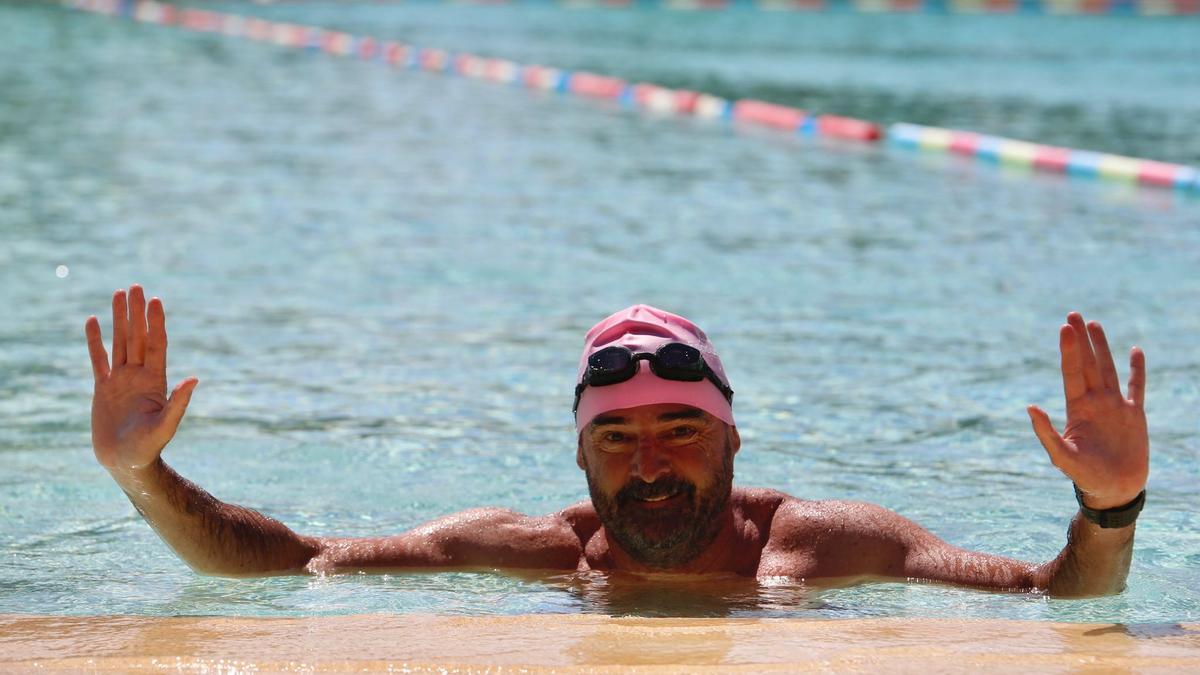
point(683, 432)
point(614, 437)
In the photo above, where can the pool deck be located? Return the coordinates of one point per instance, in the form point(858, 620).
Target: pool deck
point(586, 643)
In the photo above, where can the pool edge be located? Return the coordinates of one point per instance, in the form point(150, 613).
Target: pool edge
point(583, 643)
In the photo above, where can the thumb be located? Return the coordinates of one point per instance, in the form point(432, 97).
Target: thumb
point(178, 402)
point(1060, 453)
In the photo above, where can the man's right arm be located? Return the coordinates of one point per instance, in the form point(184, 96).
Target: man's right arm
point(213, 537)
point(132, 421)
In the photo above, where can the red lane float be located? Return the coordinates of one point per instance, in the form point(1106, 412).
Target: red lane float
point(468, 65)
point(848, 128)
point(766, 114)
point(433, 59)
point(964, 143)
point(395, 53)
point(199, 20)
point(540, 77)
point(596, 86)
point(1161, 174)
point(336, 43)
point(1051, 158)
point(368, 48)
point(685, 101)
point(531, 76)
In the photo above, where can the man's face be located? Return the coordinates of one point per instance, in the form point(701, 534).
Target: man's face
point(659, 477)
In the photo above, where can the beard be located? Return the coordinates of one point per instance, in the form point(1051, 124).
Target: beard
point(668, 536)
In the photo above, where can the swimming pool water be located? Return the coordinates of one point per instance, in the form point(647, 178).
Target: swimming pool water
point(382, 280)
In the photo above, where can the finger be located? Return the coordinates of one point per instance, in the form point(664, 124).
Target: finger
point(1091, 372)
point(1104, 359)
point(177, 404)
point(1074, 384)
point(120, 327)
point(156, 344)
point(1137, 377)
point(136, 345)
point(95, 343)
point(1060, 454)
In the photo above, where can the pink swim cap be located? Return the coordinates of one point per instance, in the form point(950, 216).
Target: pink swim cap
point(643, 328)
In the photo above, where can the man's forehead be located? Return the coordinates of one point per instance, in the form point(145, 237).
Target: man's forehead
point(659, 412)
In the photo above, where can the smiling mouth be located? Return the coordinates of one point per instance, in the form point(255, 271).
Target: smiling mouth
point(660, 501)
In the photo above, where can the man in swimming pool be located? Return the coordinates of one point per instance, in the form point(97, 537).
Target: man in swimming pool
point(656, 441)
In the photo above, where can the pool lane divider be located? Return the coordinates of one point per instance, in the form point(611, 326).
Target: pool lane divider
point(1146, 8)
point(655, 98)
point(1130, 8)
point(1047, 158)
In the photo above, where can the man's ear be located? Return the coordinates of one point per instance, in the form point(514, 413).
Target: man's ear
point(579, 455)
point(735, 439)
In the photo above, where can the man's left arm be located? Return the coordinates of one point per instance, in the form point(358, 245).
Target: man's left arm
point(1094, 562)
point(1104, 449)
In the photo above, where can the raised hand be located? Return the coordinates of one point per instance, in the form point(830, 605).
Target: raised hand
point(132, 418)
point(1105, 447)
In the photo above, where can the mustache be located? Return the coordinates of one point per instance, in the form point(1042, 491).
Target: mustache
point(663, 487)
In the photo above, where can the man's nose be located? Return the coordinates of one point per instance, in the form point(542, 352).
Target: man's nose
point(649, 460)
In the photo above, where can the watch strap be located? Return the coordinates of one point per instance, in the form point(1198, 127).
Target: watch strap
point(1121, 516)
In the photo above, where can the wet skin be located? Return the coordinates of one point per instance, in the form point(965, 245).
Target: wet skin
point(660, 479)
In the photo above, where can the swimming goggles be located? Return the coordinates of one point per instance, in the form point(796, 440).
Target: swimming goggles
point(672, 361)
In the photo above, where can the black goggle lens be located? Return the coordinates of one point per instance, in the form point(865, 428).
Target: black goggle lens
point(680, 359)
point(609, 366)
point(609, 360)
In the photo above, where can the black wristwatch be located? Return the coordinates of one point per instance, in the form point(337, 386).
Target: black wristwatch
point(1121, 516)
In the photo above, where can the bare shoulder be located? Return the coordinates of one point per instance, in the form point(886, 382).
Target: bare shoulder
point(835, 538)
point(758, 505)
point(803, 521)
point(581, 517)
point(857, 540)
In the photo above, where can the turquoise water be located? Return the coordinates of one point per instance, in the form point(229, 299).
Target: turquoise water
point(332, 238)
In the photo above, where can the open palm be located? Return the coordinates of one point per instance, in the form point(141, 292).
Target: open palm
point(1105, 447)
point(132, 417)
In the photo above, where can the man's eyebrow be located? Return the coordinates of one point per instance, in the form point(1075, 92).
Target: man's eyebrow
point(608, 419)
